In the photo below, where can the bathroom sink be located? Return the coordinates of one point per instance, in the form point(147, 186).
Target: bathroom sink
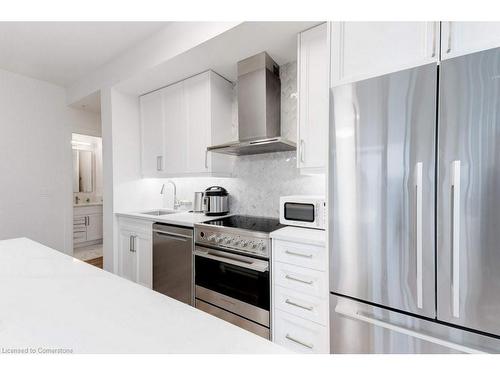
point(158, 212)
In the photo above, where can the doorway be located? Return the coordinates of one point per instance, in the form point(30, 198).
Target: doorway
point(87, 198)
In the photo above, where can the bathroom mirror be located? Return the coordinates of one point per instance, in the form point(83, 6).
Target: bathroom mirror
point(83, 171)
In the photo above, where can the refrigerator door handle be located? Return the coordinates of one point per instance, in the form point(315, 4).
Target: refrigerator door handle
point(357, 315)
point(418, 234)
point(455, 238)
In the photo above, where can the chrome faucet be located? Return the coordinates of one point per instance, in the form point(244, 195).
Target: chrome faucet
point(177, 204)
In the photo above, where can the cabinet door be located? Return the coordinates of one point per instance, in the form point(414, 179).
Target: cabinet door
point(152, 158)
point(175, 130)
point(144, 261)
point(94, 227)
point(313, 98)
point(197, 96)
point(363, 50)
point(461, 38)
point(126, 256)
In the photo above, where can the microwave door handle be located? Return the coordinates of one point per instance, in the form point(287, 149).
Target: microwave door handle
point(260, 266)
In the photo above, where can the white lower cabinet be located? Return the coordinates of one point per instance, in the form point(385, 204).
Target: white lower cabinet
point(300, 294)
point(135, 251)
point(87, 225)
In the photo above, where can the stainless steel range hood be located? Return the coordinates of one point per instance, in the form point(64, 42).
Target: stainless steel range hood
point(259, 106)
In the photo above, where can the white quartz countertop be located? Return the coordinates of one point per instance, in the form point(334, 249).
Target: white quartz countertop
point(52, 301)
point(302, 235)
point(182, 218)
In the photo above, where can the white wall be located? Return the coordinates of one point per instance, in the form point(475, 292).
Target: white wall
point(88, 123)
point(124, 190)
point(36, 161)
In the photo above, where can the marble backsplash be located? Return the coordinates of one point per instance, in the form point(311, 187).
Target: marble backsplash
point(257, 184)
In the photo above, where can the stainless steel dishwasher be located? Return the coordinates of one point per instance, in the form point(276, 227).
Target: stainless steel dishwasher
point(173, 262)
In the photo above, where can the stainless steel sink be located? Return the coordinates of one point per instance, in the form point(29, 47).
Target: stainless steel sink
point(159, 212)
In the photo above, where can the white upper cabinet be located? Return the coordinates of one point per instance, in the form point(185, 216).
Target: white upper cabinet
point(174, 130)
point(312, 70)
point(152, 158)
point(361, 50)
point(460, 38)
point(208, 107)
point(194, 114)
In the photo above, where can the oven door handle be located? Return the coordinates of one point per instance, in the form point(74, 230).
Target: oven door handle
point(240, 261)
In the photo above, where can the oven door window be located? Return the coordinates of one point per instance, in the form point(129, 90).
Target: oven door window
point(299, 212)
point(241, 283)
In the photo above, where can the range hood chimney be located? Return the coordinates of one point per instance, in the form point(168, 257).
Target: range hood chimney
point(259, 107)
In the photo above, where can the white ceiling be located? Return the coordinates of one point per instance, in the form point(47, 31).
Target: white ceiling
point(63, 52)
point(222, 53)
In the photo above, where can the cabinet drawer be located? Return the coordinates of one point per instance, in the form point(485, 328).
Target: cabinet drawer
point(300, 335)
point(300, 254)
point(303, 305)
point(304, 280)
point(139, 227)
point(80, 220)
point(79, 236)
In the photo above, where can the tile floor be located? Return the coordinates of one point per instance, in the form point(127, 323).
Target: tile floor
point(88, 252)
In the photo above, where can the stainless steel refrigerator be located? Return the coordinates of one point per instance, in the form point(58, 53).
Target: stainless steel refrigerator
point(414, 196)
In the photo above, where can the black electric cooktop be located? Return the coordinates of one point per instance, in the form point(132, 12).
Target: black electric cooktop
point(253, 223)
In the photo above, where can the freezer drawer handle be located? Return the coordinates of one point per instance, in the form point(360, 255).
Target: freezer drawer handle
point(288, 337)
point(298, 254)
point(308, 308)
point(455, 238)
point(405, 331)
point(308, 282)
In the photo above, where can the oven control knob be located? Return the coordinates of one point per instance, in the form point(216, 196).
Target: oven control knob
point(227, 240)
point(261, 247)
point(253, 245)
point(219, 239)
point(236, 241)
point(211, 237)
point(244, 243)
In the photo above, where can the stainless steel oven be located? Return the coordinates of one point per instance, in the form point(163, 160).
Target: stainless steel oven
point(234, 287)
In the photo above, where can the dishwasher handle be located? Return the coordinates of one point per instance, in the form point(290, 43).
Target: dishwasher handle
point(173, 236)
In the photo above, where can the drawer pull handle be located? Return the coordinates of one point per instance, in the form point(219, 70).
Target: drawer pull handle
point(308, 308)
point(308, 282)
point(288, 337)
point(298, 254)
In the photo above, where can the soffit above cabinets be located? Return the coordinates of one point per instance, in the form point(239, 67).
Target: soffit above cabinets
point(221, 54)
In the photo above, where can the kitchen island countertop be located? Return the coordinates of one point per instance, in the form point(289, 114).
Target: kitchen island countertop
point(51, 301)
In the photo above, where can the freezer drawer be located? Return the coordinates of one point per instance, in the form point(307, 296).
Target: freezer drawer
point(382, 190)
point(468, 247)
point(358, 328)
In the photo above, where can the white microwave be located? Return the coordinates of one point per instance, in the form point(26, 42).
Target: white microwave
point(307, 211)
